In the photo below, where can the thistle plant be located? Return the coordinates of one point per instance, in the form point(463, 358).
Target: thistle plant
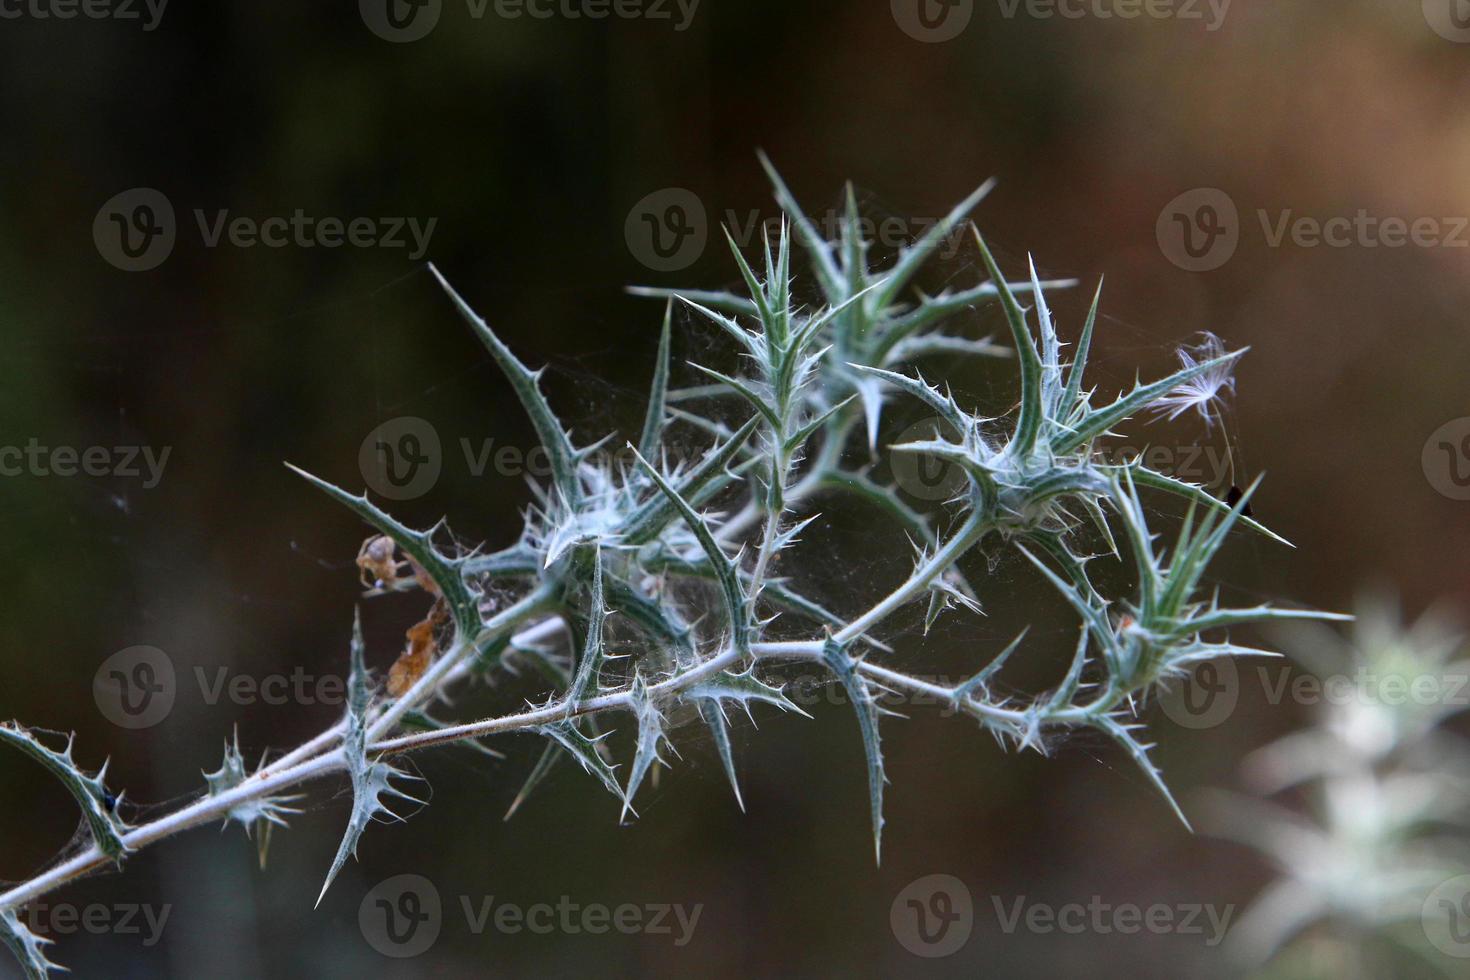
point(1383, 786)
point(687, 557)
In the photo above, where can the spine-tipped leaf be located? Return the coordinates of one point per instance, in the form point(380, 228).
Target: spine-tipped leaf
point(98, 806)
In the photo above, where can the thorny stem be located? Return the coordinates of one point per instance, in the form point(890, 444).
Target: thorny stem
point(312, 760)
point(1037, 494)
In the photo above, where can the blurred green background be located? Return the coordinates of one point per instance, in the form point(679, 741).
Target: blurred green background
point(530, 140)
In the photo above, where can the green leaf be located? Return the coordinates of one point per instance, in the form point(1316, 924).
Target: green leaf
point(742, 688)
point(724, 302)
point(586, 682)
point(653, 423)
point(944, 405)
point(763, 310)
point(865, 706)
point(29, 948)
point(744, 390)
point(753, 343)
point(658, 621)
point(650, 734)
point(1124, 737)
point(911, 259)
point(250, 814)
point(1073, 392)
point(584, 750)
point(97, 805)
point(933, 309)
point(645, 523)
point(816, 245)
point(1145, 477)
point(1028, 426)
point(736, 607)
point(800, 437)
point(981, 681)
point(371, 780)
point(446, 573)
point(885, 498)
point(714, 716)
point(544, 764)
point(1100, 421)
point(709, 698)
point(554, 438)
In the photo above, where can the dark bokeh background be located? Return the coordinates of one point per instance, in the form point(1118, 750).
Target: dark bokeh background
point(529, 141)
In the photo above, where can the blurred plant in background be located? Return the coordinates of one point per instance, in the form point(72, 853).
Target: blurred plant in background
point(1381, 829)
